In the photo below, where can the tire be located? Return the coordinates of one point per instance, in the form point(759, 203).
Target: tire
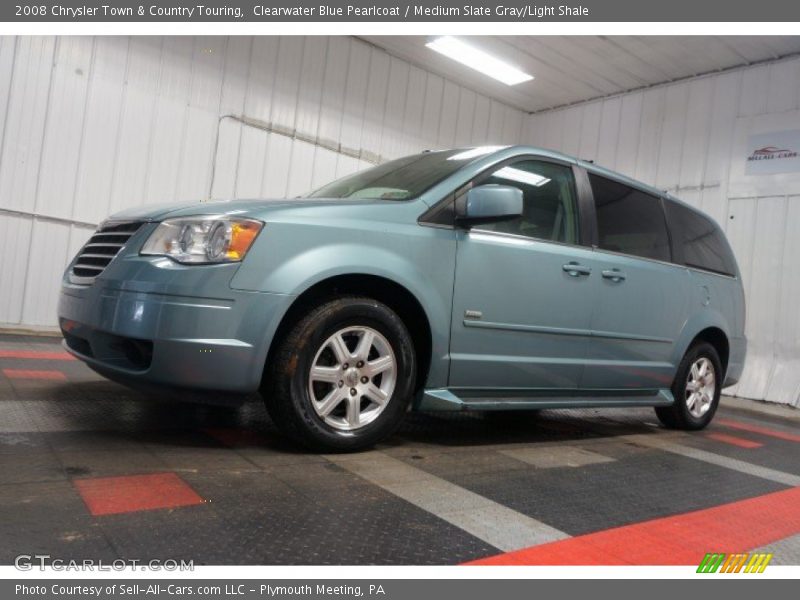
point(338, 409)
point(694, 414)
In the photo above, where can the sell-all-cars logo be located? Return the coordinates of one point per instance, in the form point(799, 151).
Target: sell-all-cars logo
point(771, 153)
point(717, 562)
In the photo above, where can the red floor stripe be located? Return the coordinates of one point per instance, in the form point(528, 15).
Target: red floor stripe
point(36, 355)
point(678, 540)
point(114, 495)
point(781, 435)
point(31, 374)
point(733, 440)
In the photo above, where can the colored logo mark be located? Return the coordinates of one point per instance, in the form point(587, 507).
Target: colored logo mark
point(717, 562)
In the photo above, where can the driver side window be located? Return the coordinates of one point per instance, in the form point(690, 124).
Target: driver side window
point(549, 210)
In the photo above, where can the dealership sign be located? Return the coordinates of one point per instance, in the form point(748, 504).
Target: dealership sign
point(773, 152)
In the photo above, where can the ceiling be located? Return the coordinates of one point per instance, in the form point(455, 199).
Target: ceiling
point(570, 69)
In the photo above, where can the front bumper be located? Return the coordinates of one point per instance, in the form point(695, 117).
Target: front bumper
point(147, 321)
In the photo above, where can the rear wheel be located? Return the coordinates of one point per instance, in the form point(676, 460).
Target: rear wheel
point(343, 377)
point(697, 388)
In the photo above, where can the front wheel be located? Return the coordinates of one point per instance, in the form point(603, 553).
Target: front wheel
point(343, 377)
point(696, 389)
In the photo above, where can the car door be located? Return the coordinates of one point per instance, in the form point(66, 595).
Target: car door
point(642, 298)
point(523, 295)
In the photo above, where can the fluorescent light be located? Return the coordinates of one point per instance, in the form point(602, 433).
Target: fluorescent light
point(475, 152)
point(478, 59)
point(521, 176)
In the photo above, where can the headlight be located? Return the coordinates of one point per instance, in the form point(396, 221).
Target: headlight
point(203, 240)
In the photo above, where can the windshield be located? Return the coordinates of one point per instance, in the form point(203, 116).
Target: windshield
point(403, 178)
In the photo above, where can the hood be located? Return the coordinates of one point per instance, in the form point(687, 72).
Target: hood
point(158, 212)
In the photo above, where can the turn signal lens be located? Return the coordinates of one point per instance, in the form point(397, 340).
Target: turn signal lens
point(243, 234)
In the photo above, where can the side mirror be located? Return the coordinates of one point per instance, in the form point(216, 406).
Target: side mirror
point(489, 204)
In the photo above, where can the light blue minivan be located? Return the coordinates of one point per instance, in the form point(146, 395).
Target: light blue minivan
point(488, 278)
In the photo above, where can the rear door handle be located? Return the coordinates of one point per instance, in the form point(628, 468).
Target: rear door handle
point(613, 275)
point(576, 270)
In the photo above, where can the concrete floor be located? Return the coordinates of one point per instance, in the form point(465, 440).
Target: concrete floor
point(90, 469)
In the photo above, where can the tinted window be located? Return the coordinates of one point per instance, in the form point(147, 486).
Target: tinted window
point(629, 221)
point(548, 210)
point(403, 178)
point(699, 241)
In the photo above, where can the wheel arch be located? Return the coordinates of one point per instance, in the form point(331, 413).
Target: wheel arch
point(717, 338)
point(394, 295)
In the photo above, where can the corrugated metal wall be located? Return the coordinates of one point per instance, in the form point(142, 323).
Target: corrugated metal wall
point(689, 138)
point(89, 126)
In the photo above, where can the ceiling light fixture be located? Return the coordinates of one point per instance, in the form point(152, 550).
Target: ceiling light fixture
point(478, 59)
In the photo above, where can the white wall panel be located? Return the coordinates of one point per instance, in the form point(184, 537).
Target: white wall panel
point(301, 168)
point(325, 164)
point(392, 130)
point(137, 114)
point(375, 108)
point(63, 133)
point(783, 83)
point(628, 139)
point(767, 229)
point(49, 245)
point(590, 131)
point(480, 121)
point(413, 111)
point(694, 149)
point(26, 117)
point(723, 112)
point(608, 139)
point(649, 135)
point(784, 384)
point(313, 73)
point(8, 49)
point(753, 98)
point(277, 167)
point(252, 156)
point(329, 130)
point(512, 126)
point(555, 126)
point(15, 239)
point(355, 99)
point(494, 133)
point(465, 117)
point(688, 138)
point(447, 121)
point(101, 126)
point(90, 126)
point(673, 130)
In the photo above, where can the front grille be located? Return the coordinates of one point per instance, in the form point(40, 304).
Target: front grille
point(101, 249)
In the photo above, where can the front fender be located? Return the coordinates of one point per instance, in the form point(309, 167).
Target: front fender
point(295, 257)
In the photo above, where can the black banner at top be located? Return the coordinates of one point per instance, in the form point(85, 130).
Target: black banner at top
point(399, 11)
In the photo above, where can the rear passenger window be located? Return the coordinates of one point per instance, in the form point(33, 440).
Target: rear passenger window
point(699, 241)
point(629, 221)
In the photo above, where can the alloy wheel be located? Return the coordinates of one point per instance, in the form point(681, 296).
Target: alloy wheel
point(701, 386)
point(352, 378)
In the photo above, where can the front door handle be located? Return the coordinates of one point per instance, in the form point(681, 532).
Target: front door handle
point(576, 270)
point(614, 275)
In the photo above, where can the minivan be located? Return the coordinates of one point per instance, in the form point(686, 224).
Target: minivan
point(480, 279)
